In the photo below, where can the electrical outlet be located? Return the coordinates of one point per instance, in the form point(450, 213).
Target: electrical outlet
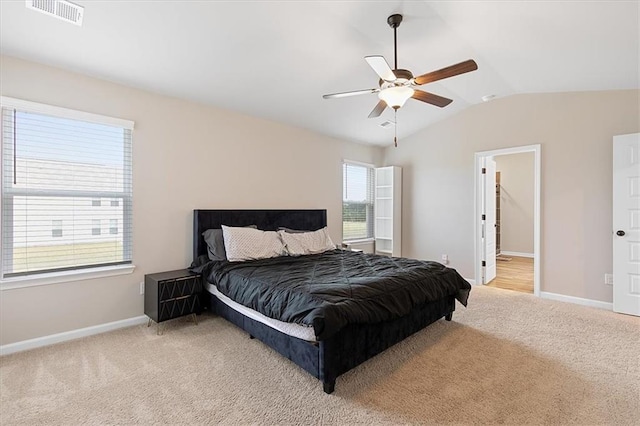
point(445, 259)
point(141, 288)
point(608, 279)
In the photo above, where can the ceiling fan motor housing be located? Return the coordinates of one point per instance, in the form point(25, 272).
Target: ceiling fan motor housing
point(404, 76)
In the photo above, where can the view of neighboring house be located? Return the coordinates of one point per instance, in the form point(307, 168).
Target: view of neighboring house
point(64, 194)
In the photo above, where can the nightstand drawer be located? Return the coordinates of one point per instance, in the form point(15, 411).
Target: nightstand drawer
point(180, 287)
point(178, 307)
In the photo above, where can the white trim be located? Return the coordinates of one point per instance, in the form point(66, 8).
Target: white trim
point(577, 300)
point(358, 163)
point(65, 276)
point(64, 112)
point(70, 335)
point(470, 281)
point(358, 241)
point(517, 254)
point(477, 225)
point(511, 150)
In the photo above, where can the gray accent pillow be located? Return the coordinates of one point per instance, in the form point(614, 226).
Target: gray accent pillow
point(215, 243)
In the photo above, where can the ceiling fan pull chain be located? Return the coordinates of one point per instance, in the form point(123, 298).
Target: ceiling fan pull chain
point(395, 128)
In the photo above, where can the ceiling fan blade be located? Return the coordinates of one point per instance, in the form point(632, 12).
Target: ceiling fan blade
point(378, 109)
point(430, 98)
point(381, 67)
point(353, 93)
point(450, 71)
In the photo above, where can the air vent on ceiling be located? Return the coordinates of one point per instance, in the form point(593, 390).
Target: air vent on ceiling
point(60, 9)
point(387, 124)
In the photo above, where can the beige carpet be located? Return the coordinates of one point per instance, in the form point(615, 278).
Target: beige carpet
point(509, 358)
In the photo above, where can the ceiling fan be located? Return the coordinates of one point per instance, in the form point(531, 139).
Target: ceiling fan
point(397, 85)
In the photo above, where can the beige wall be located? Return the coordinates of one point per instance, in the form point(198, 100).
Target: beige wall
point(575, 131)
point(188, 156)
point(516, 201)
point(185, 156)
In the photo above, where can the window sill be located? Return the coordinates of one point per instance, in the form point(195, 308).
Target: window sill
point(64, 277)
point(359, 241)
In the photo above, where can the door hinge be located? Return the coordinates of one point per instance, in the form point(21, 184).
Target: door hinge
point(484, 263)
point(484, 217)
point(484, 170)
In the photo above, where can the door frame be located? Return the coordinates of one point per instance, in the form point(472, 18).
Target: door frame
point(477, 211)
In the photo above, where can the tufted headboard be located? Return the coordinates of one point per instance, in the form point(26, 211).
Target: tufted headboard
point(267, 220)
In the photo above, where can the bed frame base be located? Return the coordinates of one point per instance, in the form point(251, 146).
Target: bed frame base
point(350, 347)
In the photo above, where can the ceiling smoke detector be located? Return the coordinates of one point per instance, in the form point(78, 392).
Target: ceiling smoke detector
point(60, 9)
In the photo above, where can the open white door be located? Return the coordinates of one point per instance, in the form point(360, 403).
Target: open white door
point(489, 222)
point(626, 224)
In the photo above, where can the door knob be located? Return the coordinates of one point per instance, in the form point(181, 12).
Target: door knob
point(620, 233)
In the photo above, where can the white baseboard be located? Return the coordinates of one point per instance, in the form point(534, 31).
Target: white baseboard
point(470, 281)
point(70, 335)
point(577, 300)
point(516, 253)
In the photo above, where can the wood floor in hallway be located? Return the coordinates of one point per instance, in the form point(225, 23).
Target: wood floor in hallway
point(515, 274)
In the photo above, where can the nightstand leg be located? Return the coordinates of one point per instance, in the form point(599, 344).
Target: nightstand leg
point(159, 329)
point(149, 323)
point(195, 319)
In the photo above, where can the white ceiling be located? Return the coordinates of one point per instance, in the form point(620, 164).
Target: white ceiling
point(276, 59)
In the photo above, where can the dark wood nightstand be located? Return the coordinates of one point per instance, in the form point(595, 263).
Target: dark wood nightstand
point(172, 294)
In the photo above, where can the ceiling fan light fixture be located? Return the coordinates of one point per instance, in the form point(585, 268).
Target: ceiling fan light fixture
point(396, 96)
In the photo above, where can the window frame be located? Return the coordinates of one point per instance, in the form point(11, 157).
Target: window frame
point(371, 190)
point(79, 273)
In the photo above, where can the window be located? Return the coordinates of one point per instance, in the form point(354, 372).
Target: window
point(357, 201)
point(115, 203)
point(57, 164)
point(95, 228)
point(56, 228)
point(113, 226)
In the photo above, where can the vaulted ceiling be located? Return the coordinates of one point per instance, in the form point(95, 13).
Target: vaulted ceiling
point(276, 59)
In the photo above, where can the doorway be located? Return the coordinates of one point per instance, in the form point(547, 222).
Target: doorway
point(502, 257)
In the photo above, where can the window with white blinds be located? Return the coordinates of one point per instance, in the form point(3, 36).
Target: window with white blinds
point(357, 201)
point(66, 189)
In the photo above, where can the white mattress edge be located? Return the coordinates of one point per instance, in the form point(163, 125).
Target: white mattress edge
point(304, 332)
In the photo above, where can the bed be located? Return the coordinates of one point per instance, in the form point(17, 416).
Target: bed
point(326, 339)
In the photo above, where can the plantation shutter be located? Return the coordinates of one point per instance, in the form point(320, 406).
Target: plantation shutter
point(66, 189)
point(357, 201)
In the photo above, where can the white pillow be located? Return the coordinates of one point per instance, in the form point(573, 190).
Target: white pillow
point(300, 243)
point(251, 244)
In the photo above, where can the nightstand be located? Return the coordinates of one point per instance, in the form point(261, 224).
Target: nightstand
point(173, 294)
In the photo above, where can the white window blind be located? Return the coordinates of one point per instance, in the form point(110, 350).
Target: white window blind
point(63, 179)
point(357, 201)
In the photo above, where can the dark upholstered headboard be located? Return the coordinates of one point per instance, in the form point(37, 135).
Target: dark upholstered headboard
point(267, 220)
